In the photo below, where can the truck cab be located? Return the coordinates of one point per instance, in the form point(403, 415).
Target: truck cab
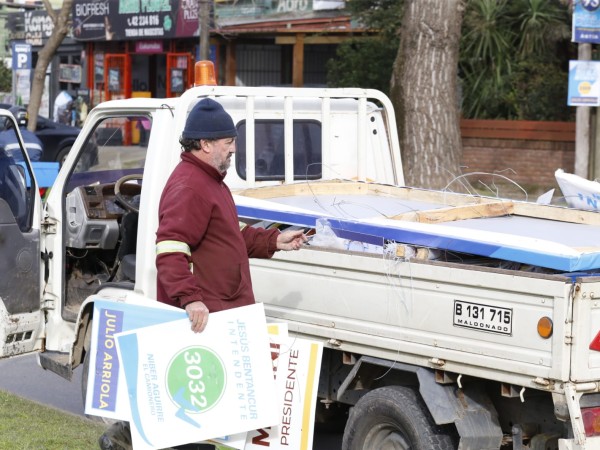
point(96, 233)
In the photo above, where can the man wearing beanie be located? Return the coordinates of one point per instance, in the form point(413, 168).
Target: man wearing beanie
point(202, 253)
point(202, 250)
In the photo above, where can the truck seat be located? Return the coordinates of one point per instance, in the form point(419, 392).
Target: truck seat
point(128, 247)
point(128, 266)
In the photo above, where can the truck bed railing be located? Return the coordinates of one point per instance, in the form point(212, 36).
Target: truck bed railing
point(363, 96)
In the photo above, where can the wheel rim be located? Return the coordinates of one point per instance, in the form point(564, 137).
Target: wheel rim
point(387, 436)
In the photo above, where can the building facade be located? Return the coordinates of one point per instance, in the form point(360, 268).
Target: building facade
point(129, 48)
point(148, 48)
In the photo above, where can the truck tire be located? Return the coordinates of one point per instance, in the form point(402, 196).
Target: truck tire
point(395, 418)
point(62, 155)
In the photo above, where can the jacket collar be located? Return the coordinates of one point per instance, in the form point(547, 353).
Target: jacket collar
point(210, 170)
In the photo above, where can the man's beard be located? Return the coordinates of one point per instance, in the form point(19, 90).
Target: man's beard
point(225, 164)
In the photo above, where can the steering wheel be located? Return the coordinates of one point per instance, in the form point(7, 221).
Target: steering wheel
point(119, 197)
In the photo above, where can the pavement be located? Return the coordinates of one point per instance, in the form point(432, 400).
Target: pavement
point(21, 375)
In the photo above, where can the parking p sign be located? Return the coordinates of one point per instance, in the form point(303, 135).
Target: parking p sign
point(21, 56)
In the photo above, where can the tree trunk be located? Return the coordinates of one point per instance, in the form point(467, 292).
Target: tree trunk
point(204, 15)
point(45, 55)
point(424, 89)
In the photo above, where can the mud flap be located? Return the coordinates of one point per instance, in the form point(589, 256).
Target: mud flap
point(470, 410)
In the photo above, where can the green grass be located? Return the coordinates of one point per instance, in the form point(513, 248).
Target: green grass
point(27, 425)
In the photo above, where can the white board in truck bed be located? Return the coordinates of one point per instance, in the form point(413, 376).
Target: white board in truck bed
point(545, 236)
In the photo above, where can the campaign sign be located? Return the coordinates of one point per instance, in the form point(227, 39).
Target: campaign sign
point(106, 389)
point(187, 387)
point(298, 368)
point(584, 83)
point(277, 332)
point(586, 22)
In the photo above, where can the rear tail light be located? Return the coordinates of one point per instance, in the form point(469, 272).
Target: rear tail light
point(591, 421)
point(545, 327)
point(595, 344)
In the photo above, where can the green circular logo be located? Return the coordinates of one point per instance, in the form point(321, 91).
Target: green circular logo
point(196, 379)
point(167, 23)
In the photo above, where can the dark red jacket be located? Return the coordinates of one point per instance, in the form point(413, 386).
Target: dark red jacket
point(196, 208)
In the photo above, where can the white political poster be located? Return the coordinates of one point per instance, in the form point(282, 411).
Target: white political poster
point(298, 367)
point(277, 332)
point(188, 387)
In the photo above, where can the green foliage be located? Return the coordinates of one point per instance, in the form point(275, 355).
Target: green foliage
point(538, 25)
point(539, 92)
point(486, 39)
point(382, 15)
point(509, 58)
point(5, 78)
point(513, 56)
point(365, 63)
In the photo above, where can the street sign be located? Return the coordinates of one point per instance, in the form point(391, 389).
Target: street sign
point(21, 56)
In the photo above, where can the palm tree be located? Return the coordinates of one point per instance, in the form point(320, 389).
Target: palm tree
point(501, 37)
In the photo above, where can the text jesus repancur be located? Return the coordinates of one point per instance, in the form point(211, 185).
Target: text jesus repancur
point(243, 373)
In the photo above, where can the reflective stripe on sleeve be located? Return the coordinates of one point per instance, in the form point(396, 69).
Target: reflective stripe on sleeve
point(242, 225)
point(173, 247)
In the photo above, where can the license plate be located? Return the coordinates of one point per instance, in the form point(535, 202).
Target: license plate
point(491, 319)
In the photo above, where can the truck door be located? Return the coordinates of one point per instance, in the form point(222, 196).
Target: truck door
point(20, 213)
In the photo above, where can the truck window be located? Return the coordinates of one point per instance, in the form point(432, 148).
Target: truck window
point(15, 179)
point(116, 148)
point(269, 145)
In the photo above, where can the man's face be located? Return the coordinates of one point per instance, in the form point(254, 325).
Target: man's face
point(221, 151)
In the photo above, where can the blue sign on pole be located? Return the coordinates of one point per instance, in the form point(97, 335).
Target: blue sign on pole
point(21, 56)
point(584, 83)
point(586, 21)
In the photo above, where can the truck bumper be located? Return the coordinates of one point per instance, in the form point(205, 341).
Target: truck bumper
point(590, 443)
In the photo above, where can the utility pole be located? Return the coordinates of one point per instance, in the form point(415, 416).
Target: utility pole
point(582, 124)
point(204, 17)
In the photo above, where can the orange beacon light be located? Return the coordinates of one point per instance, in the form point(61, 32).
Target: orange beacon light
point(204, 74)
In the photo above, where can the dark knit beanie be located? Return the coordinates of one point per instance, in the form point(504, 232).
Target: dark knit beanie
point(208, 120)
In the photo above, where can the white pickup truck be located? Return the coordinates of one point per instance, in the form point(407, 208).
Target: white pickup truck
point(448, 322)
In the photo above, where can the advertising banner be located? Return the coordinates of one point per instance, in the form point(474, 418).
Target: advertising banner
point(38, 26)
point(106, 20)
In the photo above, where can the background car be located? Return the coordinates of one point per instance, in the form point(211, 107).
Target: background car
point(57, 138)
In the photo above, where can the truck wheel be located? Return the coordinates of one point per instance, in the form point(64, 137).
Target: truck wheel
point(395, 418)
point(62, 155)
